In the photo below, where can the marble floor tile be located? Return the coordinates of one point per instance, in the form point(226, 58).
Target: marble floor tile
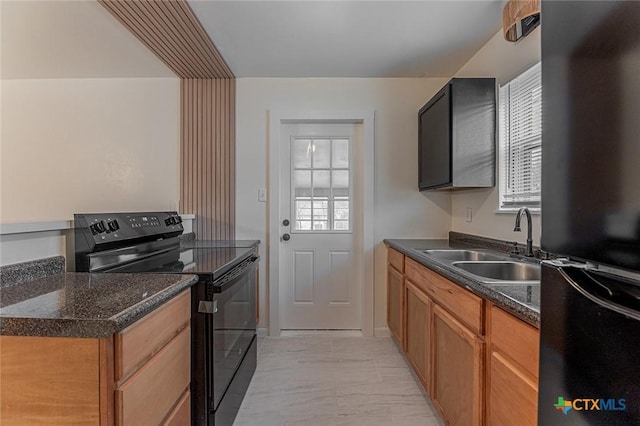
point(329, 378)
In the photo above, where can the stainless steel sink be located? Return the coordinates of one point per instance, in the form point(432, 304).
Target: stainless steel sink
point(502, 271)
point(461, 255)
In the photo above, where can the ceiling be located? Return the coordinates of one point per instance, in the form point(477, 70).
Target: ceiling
point(80, 39)
point(348, 38)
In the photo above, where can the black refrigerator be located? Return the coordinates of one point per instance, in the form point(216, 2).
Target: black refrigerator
point(590, 298)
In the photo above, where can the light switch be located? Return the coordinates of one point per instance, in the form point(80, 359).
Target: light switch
point(262, 195)
point(469, 215)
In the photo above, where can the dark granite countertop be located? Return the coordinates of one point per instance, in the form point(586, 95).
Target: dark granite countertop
point(83, 304)
point(522, 301)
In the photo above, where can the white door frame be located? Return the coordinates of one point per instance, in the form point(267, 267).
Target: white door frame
point(276, 119)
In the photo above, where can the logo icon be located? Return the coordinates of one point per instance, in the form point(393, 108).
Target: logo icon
point(590, 404)
point(563, 405)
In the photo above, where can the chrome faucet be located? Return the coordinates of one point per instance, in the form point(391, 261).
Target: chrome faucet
point(529, 252)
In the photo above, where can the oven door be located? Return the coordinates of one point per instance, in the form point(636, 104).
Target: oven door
point(223, 329)
point(234, 325)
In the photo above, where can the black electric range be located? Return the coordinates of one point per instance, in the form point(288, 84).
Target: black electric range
point(223, 322)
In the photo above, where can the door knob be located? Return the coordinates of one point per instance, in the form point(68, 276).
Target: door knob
point(285, 222)
point(286, 237)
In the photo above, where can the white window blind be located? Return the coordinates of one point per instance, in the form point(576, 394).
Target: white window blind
point(521, 140)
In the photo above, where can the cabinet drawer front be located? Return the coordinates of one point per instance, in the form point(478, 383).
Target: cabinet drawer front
point(149, 395)
point(138, 342)
point(515, 338)
point(513, 397)
point(396, 259)
point(466, 306)
point(181, 414)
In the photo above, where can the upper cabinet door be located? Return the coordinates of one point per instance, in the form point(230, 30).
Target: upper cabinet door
point(457, 134)
point(435, 142)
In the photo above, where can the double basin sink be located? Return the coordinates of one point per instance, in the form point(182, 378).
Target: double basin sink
point(488, 267)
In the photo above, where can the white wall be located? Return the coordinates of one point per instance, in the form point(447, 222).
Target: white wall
point(502, 60)
point(400, 210)
point(70, 39)
point(88, 145)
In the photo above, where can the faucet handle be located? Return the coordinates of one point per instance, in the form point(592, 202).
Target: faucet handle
point(515, 250)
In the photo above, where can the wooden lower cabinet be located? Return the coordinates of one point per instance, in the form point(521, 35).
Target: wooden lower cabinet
point(418, 332)
point(512, 371)
point(154, 358)
point(72, 381)
point(458, 354)
point(478, 362)
point(395, 304)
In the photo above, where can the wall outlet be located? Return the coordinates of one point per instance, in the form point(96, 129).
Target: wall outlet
point(262, 195)
point(469, 215)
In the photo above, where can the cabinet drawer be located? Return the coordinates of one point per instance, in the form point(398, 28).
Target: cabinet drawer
point(138, 342)
point(149, 395)
point(466, 306)
point(396, 259)
point(181, 414)
point(515, 338)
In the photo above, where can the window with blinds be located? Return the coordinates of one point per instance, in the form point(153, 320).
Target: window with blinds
point(520, 117)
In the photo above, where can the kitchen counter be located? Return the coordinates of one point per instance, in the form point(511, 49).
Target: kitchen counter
point(83, 304)
point(522, 301)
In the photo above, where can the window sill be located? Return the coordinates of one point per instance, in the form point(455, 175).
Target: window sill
point(536, 211)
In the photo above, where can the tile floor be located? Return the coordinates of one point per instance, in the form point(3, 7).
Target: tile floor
point(333, 378)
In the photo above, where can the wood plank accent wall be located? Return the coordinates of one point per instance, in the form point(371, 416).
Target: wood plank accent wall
point(170, 29)
point(208, 156)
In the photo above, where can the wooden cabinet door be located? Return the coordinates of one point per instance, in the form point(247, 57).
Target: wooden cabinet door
point(395, 304)
point(457, 370)
point(513, 395)
point(418, 332)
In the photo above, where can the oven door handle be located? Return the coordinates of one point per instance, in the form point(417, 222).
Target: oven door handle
point(208, 306)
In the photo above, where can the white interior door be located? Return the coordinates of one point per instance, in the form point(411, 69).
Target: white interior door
point(319, 281)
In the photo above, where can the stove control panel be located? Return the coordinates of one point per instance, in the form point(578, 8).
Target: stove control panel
point(111, 228)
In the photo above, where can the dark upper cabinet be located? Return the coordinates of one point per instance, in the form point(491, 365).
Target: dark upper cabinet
point(457, 130)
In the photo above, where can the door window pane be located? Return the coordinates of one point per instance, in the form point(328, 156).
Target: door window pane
point(340, 154)
point(341, 213)
point(302, 150)
point(320, 215)
point(302, 183)
point(340, 178)
point(321, 186)
point(321, 153)
point(321, 183)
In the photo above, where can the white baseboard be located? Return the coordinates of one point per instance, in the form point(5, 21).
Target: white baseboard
point(382, 332)
point(378, 332)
